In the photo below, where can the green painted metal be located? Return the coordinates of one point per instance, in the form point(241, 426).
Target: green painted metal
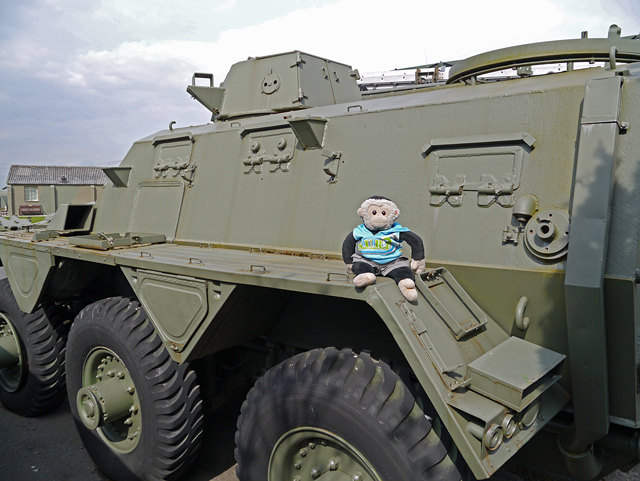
point(12, 366)
point(515, 372)
point(27, 268)
point(71, 218)
point(576, 50)
point(9, 348)
point(109, 402)
point(286, 82)
point(179, 304)
point(584, 280)
point(310, 453)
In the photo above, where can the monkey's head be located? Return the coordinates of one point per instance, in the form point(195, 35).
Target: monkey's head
point(378, 213)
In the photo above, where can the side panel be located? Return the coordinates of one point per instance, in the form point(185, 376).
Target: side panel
point(27, 270)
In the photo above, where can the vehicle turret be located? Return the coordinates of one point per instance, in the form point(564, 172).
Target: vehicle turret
point(277, 83)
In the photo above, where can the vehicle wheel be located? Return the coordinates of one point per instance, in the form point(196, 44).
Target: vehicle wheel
point(32, 350)
point(339, 415)
point(138, 412)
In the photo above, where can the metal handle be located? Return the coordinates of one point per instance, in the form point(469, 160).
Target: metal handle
point(208, 76)
point(522, 322)
point(341, 274)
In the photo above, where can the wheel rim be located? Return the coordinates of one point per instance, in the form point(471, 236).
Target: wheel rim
point(11, 377)
point(101, 368)
point(308, 453)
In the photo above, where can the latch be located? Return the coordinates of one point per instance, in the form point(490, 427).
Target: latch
point(511, 234)
point(490, 165)
point(491, 190)
point(442, 190)
point(275, 148)
point(332, 164)
point(173, 158)
point(181, 168)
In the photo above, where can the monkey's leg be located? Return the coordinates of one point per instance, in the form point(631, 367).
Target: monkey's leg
point(365, 274)
point(405, 278)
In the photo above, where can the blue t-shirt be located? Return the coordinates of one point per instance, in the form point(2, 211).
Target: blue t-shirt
point(383, 247)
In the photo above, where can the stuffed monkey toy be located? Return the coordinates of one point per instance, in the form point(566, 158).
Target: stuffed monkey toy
point(374, 248)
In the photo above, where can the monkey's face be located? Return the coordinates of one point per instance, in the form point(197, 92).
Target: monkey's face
point(379, 217)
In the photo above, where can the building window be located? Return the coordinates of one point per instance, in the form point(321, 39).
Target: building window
point(31, 194)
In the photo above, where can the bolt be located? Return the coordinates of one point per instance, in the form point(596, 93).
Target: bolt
point(333, 464)
point(111, 373)
point(315, 472)
point(297, 464)
point(297, 478)
point(101, 367)
point(323, 442)
point(131, 389)
point(312, 445)
point(357, 477)
point(120, 375)
point(131, 436)
point(128, 421)
point(303, 452)
point(133, 409)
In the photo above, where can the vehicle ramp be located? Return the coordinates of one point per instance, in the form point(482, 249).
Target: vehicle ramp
point(493, 392)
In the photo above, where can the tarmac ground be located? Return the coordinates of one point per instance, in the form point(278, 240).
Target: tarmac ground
point(48, 448)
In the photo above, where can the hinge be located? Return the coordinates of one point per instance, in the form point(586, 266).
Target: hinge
point(332, 164)
point(298, 60)
point(301, 96)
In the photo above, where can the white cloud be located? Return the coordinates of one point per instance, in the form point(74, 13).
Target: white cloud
point(226, 6)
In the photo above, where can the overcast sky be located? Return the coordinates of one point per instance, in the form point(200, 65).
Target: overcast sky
point(81, 80)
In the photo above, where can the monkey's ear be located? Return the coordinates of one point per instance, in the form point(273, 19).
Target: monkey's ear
point(397, 213)
point(360, 212)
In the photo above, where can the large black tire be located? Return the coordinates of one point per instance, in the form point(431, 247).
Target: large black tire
point(337, 410)
point(37, 384)
point(168, 403)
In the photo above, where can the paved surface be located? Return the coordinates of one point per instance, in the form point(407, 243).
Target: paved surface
point(48, 448)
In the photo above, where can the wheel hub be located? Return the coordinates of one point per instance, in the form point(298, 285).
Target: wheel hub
point(310, 454)
point(9, 353)
point(108, 401)
point(11, 365)
point(104, 402)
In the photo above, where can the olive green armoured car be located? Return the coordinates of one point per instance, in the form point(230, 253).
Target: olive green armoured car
point(214, 255)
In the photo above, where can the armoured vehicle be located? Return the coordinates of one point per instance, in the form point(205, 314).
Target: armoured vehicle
point(214, 253)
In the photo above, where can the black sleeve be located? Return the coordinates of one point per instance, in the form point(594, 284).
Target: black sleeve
point(348, 248)
point(417, 247)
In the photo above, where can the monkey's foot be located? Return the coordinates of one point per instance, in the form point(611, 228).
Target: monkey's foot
point(408, 289)
point(364, 279)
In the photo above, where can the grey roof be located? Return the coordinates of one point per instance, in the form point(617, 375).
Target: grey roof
point(55, 174)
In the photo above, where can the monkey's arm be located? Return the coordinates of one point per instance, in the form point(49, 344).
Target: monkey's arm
point(414, 240)
point(417, 251)
point(349, 248)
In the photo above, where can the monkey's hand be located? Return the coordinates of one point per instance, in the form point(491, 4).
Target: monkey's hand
point(349, 270)
point(418, 266)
